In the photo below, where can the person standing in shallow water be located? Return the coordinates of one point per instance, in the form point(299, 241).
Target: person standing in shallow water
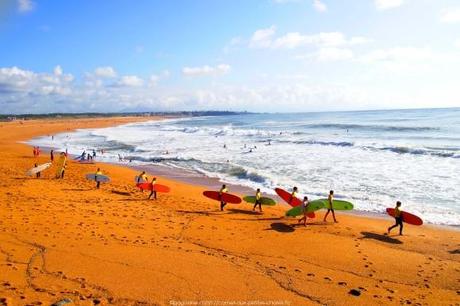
point(398, 219)
point(222, 190)
point(330, 207)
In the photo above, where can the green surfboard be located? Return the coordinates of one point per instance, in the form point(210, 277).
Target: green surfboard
point(338, 204)
point(313, 206)
point(264, 200)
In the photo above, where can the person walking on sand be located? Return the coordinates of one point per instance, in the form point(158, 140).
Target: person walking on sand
point(153, 192)
point(398, 219)
point(98, 172)
point(38, 174)
point(330, 207)
point(304, 204)
point(52, 155)
point(258, 200)
point(142, 178)
point(293, 194)
point(222, 190)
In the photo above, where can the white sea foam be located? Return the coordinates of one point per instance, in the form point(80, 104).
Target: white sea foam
point(370, 158)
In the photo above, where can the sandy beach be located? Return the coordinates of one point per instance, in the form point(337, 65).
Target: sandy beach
point(64, 239)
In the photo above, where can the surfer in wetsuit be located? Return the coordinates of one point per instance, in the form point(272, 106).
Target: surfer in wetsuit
point(221, 192)
point(98, 172)
point(293, 194)
point(398, 219)
point(304, 204)
point(153, 192)
point(258, 200)
point(330, 208)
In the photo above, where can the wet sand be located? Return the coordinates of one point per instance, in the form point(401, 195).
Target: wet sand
point(65, 239)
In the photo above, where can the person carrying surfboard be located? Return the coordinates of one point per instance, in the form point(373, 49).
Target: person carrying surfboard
point(98, 172)
point(330, 208)
point(258, 200)
point(141, 178)
point(293, 194)
point(222, 190)
point(398, 219)
point(38, 174)
point(153, 192)
point(304, 204)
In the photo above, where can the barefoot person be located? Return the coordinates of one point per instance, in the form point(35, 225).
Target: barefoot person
point(222, 190)
point(98, 172)
point(330, 208)
point(153, 192)
point(38, 174)
point(304, 204)
point(142, 178)
point(398, 219)
point(293, 194)
point(258, 200)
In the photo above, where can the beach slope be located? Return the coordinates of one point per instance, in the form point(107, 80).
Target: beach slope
point(64, 239)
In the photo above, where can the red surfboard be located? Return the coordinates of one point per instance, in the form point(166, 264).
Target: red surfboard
point(293, 201)
point(226, 197)
point(158, 187)
point(406, 217)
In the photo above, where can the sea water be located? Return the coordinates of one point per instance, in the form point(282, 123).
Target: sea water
point(371, 158)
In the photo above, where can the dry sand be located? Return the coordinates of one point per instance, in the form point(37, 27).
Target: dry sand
point(65, 239)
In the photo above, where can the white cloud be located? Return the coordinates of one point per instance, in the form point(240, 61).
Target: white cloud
point(153, 81)
point(451, 15)
point(403, 54)
point(130, 81)
point(58, 70)
point(265, 38)
point(105, 72)
point(329, 54)
point(25, 6)
point(457, 43)
point(319, 6)
point(262, 38)
point(334, 54)
point(206, 70)
point(387, 4)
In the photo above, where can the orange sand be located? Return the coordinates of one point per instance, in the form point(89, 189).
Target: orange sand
point(65, 239)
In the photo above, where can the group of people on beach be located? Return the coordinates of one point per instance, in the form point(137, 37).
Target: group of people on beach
point(142, 178)
point(305, 204)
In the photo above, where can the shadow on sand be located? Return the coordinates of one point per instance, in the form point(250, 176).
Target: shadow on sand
point(379, 237)
point(125, 193)
point(281, 227)
point(243, 211)
point(78, 189)
point(199, 212)
point(259, 219)
point(457, 251)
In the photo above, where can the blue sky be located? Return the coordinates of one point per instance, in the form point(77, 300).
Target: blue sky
point(266, 55)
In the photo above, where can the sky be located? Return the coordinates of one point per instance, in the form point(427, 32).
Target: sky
point(237, 55)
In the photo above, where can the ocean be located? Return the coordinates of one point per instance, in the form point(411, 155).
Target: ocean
point(371, 158)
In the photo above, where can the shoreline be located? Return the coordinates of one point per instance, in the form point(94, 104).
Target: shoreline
point(66, 239)
point(201, 180)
